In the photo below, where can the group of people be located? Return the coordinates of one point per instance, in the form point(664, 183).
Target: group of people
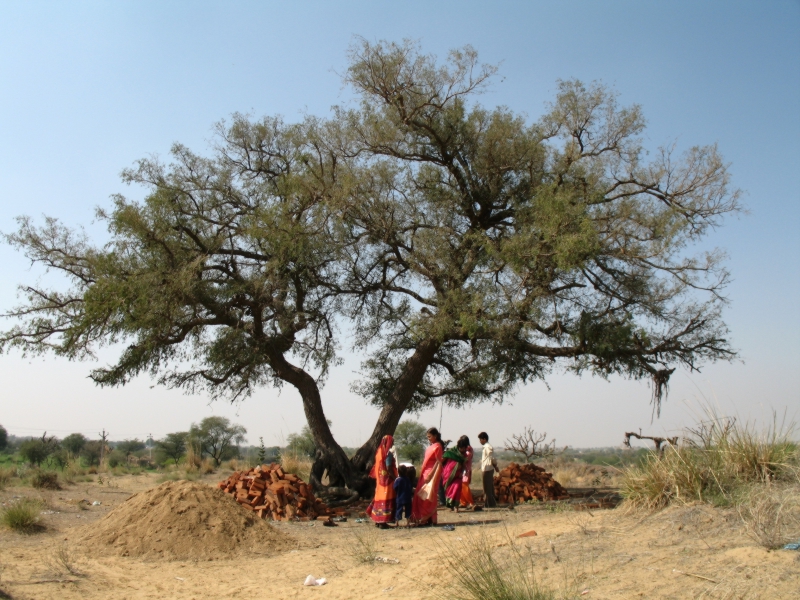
point(444, 479)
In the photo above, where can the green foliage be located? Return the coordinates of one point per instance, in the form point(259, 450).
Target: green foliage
point(45, 480)
point(3, 438)
point(58, 459)
point(21, 515)
point(128, 447)
point(262, 451)
point(116, 458)
point(172, 447)
point(217, 437)
point(469, 249)
point(301, 444)
point(410, 440)
point(36, 450)
point(92, 452)
point(74, 443)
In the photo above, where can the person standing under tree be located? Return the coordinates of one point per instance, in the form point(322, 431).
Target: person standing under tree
point(488, 467)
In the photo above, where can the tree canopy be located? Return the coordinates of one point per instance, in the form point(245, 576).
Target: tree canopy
point(471, 250)
point(217, 437)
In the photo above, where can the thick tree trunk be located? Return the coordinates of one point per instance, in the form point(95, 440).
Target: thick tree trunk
point(330, 456)
point(352, 473)
point(398, 401)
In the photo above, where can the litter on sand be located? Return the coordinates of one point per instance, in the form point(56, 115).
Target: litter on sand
point(311, 580)
point(388, 561)
point(792, 546)
point(448, 527)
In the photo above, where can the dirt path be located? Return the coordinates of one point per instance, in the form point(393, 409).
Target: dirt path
point(683, 552)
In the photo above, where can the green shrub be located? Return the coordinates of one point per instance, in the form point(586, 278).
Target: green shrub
point(45, 480)
point(116, 458)
point(22, 516)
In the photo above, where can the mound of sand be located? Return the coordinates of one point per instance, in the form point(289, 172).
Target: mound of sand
point(181, 521)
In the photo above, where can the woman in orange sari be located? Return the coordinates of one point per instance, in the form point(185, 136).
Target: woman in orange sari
point(423, 512)
point(384, 472)
point(466, 494)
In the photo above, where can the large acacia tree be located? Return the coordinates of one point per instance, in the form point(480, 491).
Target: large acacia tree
point(468, 249)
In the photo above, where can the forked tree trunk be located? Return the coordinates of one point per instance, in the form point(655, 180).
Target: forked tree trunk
point(351, 475)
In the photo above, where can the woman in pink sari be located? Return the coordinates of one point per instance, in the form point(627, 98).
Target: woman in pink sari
point(453, 473)
point(423, 511)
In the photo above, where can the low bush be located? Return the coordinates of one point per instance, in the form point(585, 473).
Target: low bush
point(45, 480)
point(22, 516)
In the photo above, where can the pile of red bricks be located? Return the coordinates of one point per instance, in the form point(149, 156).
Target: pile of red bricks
point(275, 495)
point(521, 483)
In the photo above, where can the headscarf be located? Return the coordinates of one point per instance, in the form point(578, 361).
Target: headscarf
point(379, 469)
point(454, 454)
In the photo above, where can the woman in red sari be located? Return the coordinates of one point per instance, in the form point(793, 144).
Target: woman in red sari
point(384, 472)
point(423, 512)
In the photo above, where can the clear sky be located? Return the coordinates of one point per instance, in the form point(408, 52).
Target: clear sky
point(86, 88)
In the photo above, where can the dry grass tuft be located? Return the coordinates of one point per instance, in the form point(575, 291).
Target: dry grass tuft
point(298, 465)
point(45, 480)
point(771, 514)
point(22, 516)
point(485, 570)
point(62, 562)
point(364, 546)
point(720, 459)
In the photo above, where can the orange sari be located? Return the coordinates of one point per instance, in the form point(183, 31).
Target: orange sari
point(381, 509)
point(424, 511)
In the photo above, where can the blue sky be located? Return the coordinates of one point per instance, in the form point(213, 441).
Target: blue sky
point(86, 88)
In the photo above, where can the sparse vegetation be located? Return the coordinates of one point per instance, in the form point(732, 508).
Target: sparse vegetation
point(771, 514)
point(62, 563)
point(718, 461)
point(486, 570)
point(300, 465)
point(22, 515)
point(363, 548)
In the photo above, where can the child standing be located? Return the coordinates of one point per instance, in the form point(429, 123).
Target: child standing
point(404, 494)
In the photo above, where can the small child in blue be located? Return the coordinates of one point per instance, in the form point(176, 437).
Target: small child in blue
point(404, 493)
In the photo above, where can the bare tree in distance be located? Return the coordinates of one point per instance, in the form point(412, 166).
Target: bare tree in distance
point(531, 445)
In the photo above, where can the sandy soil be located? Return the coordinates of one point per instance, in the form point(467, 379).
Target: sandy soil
point(683, 552)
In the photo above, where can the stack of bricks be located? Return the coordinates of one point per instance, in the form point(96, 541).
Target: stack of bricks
point(521, 483)
point(273, 494)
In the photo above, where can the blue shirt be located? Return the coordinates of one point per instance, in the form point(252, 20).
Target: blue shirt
point(402, 487)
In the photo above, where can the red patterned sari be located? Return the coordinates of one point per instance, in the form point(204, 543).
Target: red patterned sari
point(381, 509)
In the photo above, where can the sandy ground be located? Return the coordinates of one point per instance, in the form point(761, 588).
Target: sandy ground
point(683, 552)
